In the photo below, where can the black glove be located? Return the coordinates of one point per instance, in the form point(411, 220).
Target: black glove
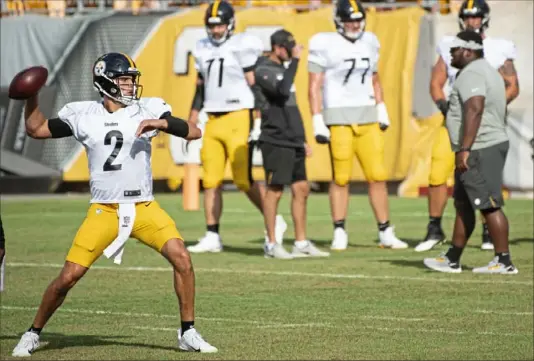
point(443, 106)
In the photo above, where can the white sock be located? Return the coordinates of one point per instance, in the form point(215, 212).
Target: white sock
point(301, 244)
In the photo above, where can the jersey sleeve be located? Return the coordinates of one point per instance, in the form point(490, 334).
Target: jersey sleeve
point(157, 108)
point(196, 54)
point(317, 60)
point(443, 47)
point(375, 51)
point(250, 49)
point(70, 114)
point(470, 84)
point(509, 50)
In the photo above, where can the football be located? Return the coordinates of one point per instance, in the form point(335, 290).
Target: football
point(28, 82)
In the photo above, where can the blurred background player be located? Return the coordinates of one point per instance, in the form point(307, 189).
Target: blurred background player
point(500, 53)
point(227, 93)
point(283, 145)
point(349, 113)
point(116, 133)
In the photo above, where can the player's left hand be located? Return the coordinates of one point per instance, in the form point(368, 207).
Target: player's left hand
point(308, 150)
point(461, 160)
point(383, 116)
point(149, 125)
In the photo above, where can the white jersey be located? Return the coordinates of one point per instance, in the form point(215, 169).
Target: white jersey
point(496, 52)
point(119, 162)
point(348, 67)
point(225, 85)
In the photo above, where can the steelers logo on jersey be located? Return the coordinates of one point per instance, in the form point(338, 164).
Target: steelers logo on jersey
point(100, 68)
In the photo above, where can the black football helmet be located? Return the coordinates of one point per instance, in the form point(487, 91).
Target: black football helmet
point(349, 11)
point(108, 68)
point(220, 12)
point(474, 8)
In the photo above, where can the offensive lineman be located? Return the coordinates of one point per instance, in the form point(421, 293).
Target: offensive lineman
point(353, 117)
point(116, 134)
point(226, 91)
point(473, 15)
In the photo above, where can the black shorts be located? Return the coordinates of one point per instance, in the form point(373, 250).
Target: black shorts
point(481, 184)
point(283, 165)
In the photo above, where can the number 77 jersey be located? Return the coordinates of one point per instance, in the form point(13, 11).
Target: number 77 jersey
point(348, 68)
point(119, 162)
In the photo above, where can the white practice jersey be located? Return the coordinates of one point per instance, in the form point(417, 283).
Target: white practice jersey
point(348, 67)
point(225, 85)
point(119, 162)
point(496, 52)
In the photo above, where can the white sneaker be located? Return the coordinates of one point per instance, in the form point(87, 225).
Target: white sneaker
point(191, 341)
point(487, 246)
point(276, 251)
point(442, 264)
point(494, 267)
point(340, 240)
point(211, 242)
point(308, 250)
point(389, 240)
point(279, 229)
point(27, 344)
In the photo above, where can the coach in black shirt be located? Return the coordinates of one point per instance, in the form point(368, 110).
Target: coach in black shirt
point(283, 143)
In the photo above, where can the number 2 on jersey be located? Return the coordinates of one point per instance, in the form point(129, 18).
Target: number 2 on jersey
point(353, 65)
point(221, 69)
point(108, 165)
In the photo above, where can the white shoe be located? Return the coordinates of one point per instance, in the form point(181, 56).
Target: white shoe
point(308, 250)
point(211, 242)
point(442, 264)
point(276, 251)
point(279, 229)
point(494, 267)
point(191, 341)
point(487, 246)
point(28, 343)
point(389, 240)
point(340, 240)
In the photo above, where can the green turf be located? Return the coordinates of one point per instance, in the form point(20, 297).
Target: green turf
point(365, 303)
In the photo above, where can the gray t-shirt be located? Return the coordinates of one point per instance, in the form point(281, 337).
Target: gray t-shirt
point(478, 78)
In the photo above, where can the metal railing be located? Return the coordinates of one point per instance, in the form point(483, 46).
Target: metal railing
point(70, 7)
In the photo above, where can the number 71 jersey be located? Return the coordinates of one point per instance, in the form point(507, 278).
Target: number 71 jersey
point(348, 68)
point(119, 162)
point(222, 68)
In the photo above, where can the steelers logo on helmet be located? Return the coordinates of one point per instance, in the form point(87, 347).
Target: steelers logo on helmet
point(347, 12)
point(220, 12)
point(100, 68)
point(474, 9)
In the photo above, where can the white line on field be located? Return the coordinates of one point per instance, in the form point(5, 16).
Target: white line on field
point(266, 324)
point(490, 280)
point(504, 313)
point(135, 314)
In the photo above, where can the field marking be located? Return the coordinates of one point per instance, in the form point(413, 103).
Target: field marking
point(149, 315)
point(265, 324)
point(506, 281)
point(506, 313)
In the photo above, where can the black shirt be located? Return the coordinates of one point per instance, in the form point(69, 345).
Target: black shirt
point(281, 122)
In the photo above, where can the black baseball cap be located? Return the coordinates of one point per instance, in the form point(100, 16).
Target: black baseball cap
point(283, 38)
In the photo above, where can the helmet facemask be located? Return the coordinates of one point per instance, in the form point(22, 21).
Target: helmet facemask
point(354, 17)
point(230, 26)
point(111, 87)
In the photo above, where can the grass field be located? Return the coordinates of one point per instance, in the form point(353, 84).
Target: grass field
point(365, 303)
